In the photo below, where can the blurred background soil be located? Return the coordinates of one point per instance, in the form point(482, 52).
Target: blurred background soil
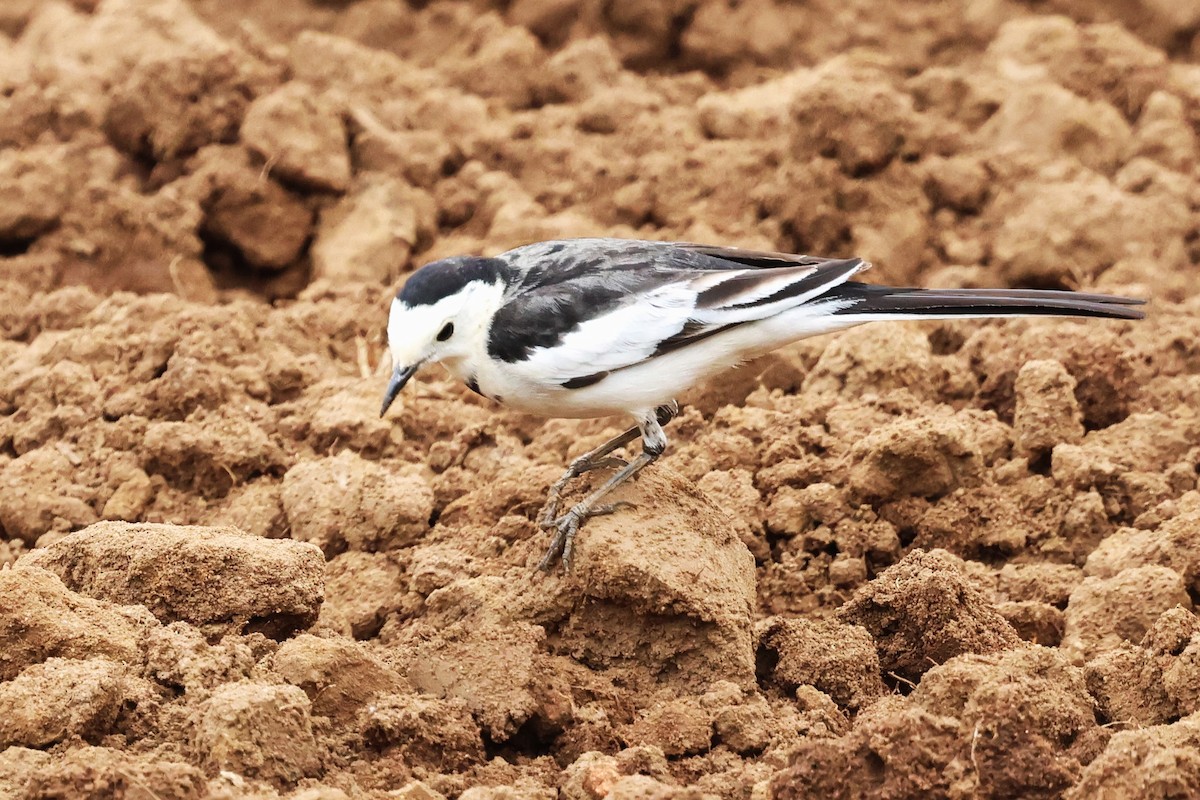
point(913, 561)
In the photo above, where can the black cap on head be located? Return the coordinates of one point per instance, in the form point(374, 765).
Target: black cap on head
point(443, 278)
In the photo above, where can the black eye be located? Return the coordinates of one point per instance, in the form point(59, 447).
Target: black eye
point(446, 332)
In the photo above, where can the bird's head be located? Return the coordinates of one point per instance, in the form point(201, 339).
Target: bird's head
point(438, 313)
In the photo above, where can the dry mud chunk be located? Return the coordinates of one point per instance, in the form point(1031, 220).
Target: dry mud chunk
point(1104, 612)
point(102, 773)
point(1174, 544)
point(38, 495)
point(923, 611)
point(1098, 355)
point(17, 766)
point(855, 115)
point(40, 618)
point(259, 731)
point(343, 413)
point(493, 59)
point(497, 671)
point(423, 730)
point(981, 521)
point(251, 213)
point(669, 587)
point(694, 724)
point(255, 508)
point(339, 677)
point(370, 235)
point(59, 699)
point(178, 656)
point(1172, 632)
point(959, 182)
point(582, 67)
point(1045, 583)
point(1162, 761)
point(1159, 22)
point(996, 713)
point(122, 33)
point(1034, 622)
point(199, 575)
point(1060, 231)
point(926, 456)
point(301, 136)
point(720, 35)
point(679, 728)
point(756, 111)
point(1164, 134)
point(896, 749)
point(590, 777)
point(734, 492)
point(874, 359)
point(33, 192)
point(129, 500)
point(1128, 686)
point(364, 588)
point(1181, 678)
point(836, 658)
point(1046, 412)
point(1096, 61)
point(113, 238)
point(1148, 441)
point(1029, 706)
point(210, 456)
point(172, 105)
point(1047, 119)
point(724, 715)
point(794, 510)
point(423, 158)
point(348, 502)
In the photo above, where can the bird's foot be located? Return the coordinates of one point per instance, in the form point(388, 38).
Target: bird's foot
point(567, 526)
point(548, 518)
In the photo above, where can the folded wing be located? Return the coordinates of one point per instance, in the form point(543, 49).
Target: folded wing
point(578, 326)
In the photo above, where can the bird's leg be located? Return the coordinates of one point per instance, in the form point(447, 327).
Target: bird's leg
point(654, 442)
point(593, 459)
point(596, 459)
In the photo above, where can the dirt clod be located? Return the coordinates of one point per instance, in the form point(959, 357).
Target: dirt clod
point(270, 585)
point(923, 611)
point(922, 559)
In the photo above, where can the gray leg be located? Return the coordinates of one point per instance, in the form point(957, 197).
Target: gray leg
point(654, 442)
point(596, 459)
point(593, 459)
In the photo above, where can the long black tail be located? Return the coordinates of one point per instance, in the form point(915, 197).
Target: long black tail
point(889, 301)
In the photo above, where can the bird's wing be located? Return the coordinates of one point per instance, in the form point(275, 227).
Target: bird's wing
point(757, 259)
point(573, 325)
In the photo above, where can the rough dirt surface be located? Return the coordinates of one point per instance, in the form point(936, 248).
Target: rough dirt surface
point(913, 561)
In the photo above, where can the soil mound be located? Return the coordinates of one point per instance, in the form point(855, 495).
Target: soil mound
point(929, 560)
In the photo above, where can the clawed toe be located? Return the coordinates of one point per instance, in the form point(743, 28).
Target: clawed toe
point(566, 526)
point(610, 508)
point(562, 545)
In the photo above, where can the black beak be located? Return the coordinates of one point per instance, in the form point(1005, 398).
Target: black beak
point(400, 376)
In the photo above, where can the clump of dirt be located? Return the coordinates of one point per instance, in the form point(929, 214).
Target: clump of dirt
point(926, 560)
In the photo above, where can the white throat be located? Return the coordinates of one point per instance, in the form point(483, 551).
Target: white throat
point(468, 348)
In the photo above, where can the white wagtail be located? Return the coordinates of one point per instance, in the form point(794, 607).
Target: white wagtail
point(595, 327)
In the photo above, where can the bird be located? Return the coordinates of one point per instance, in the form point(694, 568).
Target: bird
point(596, 327)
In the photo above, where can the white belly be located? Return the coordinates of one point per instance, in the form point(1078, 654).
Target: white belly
point(640, 388)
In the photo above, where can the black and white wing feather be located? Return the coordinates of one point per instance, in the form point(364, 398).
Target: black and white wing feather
point(585, 308)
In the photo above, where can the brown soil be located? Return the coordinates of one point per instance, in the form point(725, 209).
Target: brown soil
point(913, 561)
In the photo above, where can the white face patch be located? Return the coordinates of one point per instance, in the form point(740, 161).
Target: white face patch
point(413, 331)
